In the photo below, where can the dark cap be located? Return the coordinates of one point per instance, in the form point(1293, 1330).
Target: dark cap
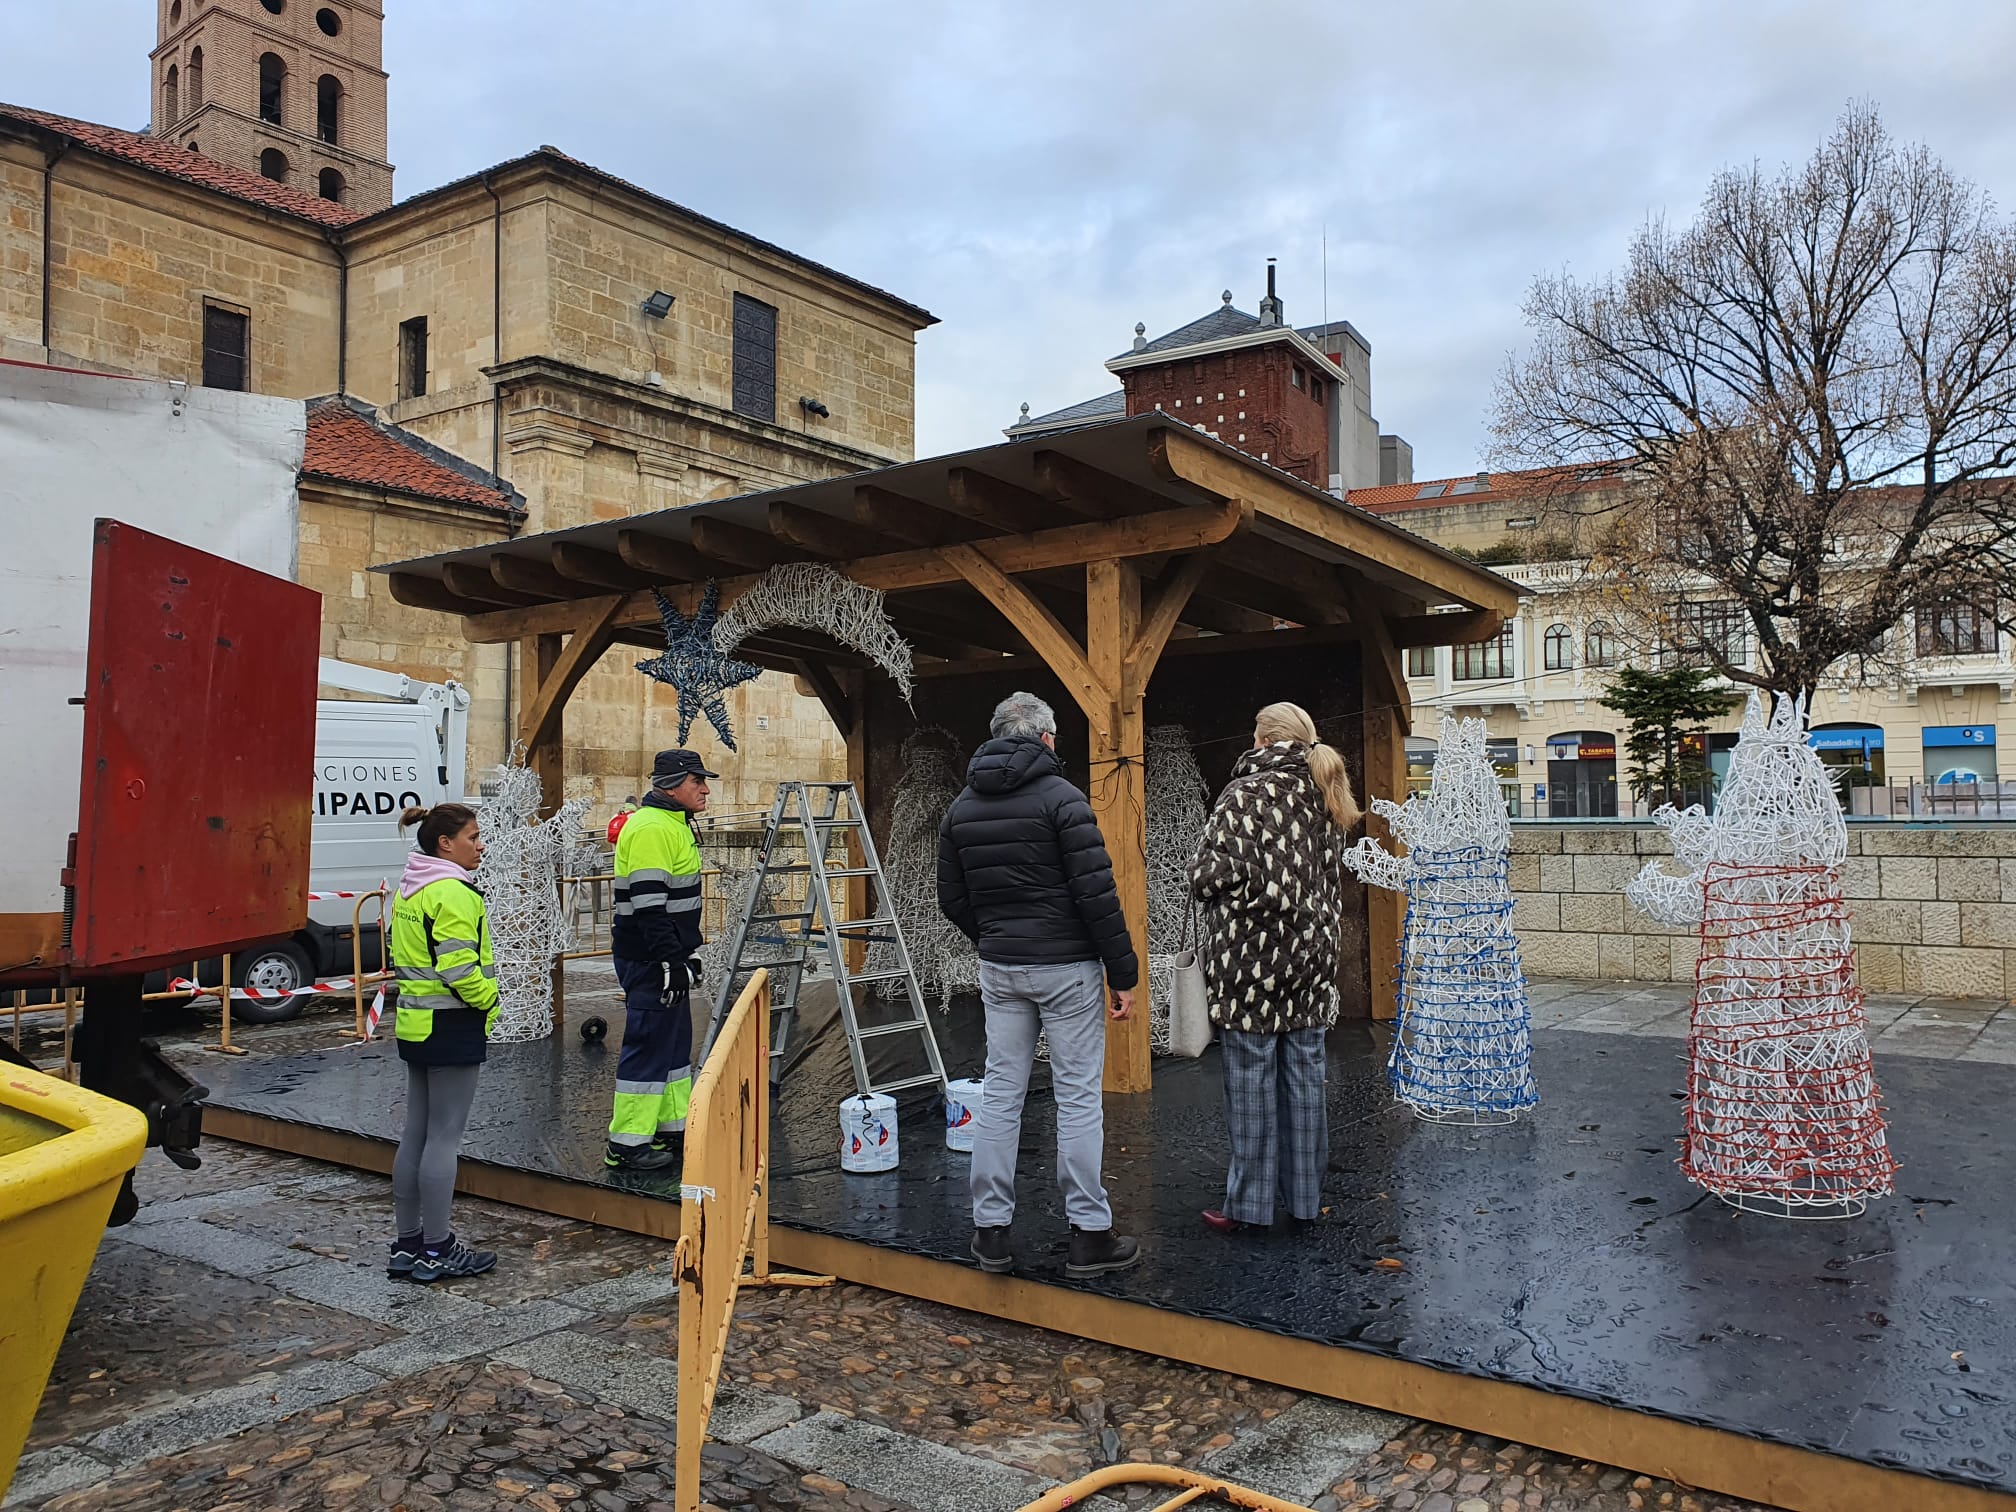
point(671, 766)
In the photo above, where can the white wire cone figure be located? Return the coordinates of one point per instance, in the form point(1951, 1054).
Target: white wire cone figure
point(1463, 1048)
point(1178, 808)
point(1783, 1116)
point(943, 958)
point(520, 879)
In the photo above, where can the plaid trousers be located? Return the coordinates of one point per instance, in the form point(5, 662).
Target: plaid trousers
point(1277, 1122)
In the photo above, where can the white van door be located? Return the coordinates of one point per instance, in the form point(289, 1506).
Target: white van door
point(372, 760)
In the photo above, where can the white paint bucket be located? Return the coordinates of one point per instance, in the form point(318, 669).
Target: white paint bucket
point(962, 1110)
point(868, 1133)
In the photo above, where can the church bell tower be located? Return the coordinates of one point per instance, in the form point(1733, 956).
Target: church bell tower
point(291, 89)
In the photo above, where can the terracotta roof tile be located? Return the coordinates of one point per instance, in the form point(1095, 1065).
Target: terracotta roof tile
point(191, 167)
point(347, 443)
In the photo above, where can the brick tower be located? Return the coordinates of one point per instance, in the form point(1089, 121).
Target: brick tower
point(292, 89)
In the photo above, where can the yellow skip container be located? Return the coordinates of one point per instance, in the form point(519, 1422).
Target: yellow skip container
point(62, 1153)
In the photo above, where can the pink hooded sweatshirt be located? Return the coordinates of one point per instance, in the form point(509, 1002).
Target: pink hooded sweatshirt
point(422, 869)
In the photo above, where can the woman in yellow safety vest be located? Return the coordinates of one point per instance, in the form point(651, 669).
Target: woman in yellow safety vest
point(447, 1005)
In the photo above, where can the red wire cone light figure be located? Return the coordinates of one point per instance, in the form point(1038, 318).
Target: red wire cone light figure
point(1783, 1114)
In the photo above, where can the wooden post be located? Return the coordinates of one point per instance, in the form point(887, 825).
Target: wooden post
point(1388, 717)
point(1118, 791)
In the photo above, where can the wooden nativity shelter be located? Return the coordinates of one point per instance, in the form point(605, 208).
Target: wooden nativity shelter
point(1134, 572)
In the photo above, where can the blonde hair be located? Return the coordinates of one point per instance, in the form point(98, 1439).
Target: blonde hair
point(1286, 721)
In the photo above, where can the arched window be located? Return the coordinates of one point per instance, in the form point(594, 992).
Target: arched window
point(175, 13)
point(1559, 648)
point(171, 90)
point(332, 185)
point(1602, 649)
point(194, 148)
point(272, 76)
point(195, 77)
point(273, 164)
point(328, 106)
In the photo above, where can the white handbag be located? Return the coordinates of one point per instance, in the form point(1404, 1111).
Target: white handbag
point(1189, 1001)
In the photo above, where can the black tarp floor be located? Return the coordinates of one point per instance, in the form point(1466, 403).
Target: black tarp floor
point(1565, 1253)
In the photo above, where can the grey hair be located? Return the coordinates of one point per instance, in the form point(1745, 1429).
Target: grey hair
point(1024, 715)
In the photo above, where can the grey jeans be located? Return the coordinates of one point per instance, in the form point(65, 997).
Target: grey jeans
point(1069, 1004)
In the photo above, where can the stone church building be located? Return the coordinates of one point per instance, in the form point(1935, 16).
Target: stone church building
point(537, 345)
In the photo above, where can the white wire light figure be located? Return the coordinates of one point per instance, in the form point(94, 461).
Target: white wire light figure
point(1178, 808)
point(1462, 1051)
point(520, 879)
point(943, 958)
point(1783, 1116)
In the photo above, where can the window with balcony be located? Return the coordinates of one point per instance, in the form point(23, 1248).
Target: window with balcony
point(1558, 649)
point(1705, 630)
point(1485, 659)
point(1956, 628)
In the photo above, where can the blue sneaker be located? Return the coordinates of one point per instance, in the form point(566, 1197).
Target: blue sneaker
point(405, 1255)
point(453, 1258)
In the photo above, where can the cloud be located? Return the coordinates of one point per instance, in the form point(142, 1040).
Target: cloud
point(1046, 173)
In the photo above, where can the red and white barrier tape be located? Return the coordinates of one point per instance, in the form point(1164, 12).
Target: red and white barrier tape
point(269, 995)
point(324, 897)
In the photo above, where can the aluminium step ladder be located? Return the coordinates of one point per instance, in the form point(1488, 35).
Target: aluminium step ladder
point(822, 811)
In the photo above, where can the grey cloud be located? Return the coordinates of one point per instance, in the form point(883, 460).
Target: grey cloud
point(1046, 173)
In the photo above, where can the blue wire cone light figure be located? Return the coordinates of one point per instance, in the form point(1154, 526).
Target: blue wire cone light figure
point(1463, 1047)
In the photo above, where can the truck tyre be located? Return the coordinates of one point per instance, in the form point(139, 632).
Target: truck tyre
point(279, 967)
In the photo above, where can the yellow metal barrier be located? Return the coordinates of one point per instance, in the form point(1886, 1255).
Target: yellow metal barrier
point(724, 1215)
point(1196, 1487)
point(63, 1153)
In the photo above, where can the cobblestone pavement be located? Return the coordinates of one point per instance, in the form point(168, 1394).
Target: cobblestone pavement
point(238, 1347)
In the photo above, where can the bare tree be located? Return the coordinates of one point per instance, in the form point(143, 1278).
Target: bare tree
point(1807, 399)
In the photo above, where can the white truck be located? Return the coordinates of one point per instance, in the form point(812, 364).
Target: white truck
point(404, 742)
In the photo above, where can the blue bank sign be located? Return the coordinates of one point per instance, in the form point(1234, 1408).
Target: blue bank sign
point(1959, 735)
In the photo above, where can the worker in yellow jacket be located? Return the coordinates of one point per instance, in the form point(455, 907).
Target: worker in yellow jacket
point(653, 940)
point(439, 948)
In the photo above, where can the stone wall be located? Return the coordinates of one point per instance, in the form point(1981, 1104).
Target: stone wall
point(1933, 908)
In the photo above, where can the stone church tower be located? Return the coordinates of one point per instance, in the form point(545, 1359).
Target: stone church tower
point(292, 89)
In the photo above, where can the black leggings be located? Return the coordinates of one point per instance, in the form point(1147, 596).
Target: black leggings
point(423, 1172)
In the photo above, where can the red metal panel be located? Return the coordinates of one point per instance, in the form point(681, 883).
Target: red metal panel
point(199, 749)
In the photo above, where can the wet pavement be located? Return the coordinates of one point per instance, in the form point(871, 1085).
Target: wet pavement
point(239, 1348)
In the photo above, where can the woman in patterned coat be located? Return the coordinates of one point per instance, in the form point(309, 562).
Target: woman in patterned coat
point(1270, 878)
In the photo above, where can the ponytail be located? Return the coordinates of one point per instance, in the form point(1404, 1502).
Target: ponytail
point(444, 821)
point(1291, 722)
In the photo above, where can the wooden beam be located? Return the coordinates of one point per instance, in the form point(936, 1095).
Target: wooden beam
point(1264, 641)
point(1041, 629)
point(1464, 629)
point(1093, 492)
point(740, 545)
point(539, 722)
point(1173, 530)
point(524, 575)
point(1003, 506)
point(1119, 794)
point(1171, 598)
point(474, 582)
point(596, 569)
point(830, 688)
point(1383, 552)
point(417, 592)
point(911, 520)
point(823, 535)
point(665, 560)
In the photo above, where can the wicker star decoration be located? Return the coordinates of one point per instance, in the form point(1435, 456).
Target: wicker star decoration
point(690, 663)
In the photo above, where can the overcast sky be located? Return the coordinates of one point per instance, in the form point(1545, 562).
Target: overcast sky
point(1041, 174)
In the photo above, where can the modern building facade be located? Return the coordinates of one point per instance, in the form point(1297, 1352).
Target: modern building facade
point(1940, 716)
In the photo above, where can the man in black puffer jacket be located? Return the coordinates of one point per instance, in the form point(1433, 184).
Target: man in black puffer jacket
point(1023, 872)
